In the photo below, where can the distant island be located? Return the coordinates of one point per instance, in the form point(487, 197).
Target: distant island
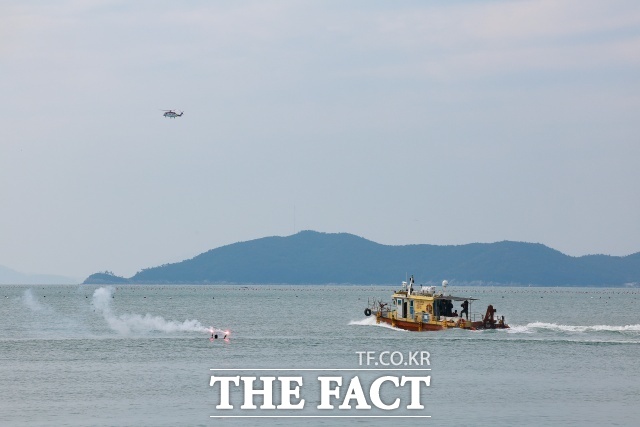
point(310, 257)
point(9, 276)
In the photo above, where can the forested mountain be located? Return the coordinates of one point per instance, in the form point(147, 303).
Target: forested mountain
point(311, 257)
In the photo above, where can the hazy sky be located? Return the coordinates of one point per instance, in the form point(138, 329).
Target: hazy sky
point(403, 122)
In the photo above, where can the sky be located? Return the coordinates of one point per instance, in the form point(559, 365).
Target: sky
point(406, 122)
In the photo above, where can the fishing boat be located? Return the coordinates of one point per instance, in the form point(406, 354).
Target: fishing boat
point(429, 309)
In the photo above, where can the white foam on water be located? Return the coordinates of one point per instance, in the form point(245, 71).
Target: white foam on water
point(132, 323)
point(531, 327)
point(518, 329)
point(371, 321)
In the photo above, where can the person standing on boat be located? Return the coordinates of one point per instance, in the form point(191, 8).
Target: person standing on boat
point(465, 309)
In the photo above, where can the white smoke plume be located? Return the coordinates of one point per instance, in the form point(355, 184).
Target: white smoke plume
point(31, 302)
point(136, 323)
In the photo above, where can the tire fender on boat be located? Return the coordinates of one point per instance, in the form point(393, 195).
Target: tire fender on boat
point(367, 312)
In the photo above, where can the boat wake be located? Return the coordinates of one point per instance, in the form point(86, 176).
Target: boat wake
point(135, 323)
point(540, 326)
point(371, 321)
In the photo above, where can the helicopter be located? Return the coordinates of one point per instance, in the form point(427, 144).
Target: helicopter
point(172, 114)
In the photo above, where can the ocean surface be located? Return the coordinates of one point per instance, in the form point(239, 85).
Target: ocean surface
point(143, 355)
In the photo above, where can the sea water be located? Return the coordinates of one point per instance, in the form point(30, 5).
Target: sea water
point(143, 355)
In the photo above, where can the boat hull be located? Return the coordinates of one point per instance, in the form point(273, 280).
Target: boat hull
point(408, 325)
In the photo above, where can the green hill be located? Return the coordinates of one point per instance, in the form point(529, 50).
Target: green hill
point(310, 257)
